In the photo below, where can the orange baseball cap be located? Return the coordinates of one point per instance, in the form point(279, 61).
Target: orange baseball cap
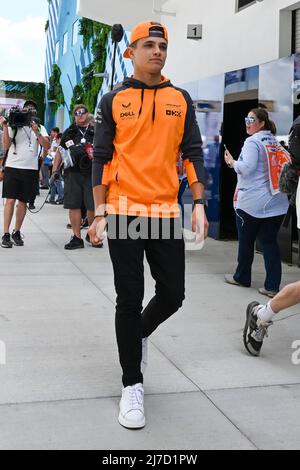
point(146, 29)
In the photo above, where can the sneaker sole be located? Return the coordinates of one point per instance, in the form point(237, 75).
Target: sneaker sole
point(77, 248)
point(268, 294)
point(246, 331)
point(5, 246)
point(129, 424)
point(18, 244)
point(234, 283)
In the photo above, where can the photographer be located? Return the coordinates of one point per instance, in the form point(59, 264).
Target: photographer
point(77, 142)
point(22, 136)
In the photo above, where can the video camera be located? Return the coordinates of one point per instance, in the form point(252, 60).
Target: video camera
point(18, 117)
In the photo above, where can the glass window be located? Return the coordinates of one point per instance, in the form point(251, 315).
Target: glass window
point(56, 52)
point(276, 93)
point(244, 3)
point(75, 32)
point(65, 46)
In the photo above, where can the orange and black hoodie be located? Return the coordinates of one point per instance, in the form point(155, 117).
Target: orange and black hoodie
point(140, 131)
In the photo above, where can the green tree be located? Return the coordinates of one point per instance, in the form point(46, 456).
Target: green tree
point(55, 92)
point(94, 36)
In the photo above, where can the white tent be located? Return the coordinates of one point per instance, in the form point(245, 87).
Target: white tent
point(126, 12)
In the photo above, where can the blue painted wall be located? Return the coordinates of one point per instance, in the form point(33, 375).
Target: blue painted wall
point(70, 63)
point(62, 16)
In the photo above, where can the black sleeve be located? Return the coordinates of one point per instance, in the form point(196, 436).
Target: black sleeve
point(104, 137)
point(191, 144)
point(65, 138)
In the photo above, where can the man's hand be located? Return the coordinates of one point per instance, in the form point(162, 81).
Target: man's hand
point(35, 127)
point(97, 231)
point(199, 223)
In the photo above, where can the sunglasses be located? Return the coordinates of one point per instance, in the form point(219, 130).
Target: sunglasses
point(81, 112)
point(249, 120)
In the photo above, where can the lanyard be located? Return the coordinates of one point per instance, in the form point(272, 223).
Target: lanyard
point(83, 140)
point(28, 136)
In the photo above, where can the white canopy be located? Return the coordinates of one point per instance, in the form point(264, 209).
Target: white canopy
point(126, 12)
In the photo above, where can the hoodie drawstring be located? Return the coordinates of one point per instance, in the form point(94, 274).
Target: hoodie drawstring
point(154, 103)
point(142, 101)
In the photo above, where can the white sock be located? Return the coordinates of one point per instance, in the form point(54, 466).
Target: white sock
point(265, 312)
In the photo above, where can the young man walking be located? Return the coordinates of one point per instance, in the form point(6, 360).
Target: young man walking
point(140, 129)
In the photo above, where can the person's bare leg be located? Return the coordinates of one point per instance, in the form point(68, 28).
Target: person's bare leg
point(8, 213)
point(287, 297)
point(75, 219)
point(20, 215)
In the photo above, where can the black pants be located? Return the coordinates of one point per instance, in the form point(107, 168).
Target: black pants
point(167, 264)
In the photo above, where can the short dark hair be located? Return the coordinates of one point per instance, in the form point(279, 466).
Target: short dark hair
point(55, 129)
point(30, 102)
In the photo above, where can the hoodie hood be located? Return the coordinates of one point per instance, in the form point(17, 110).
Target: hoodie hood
point(133, 83)
point(137, 84)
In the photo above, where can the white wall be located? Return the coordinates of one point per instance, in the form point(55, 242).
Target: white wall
point(257, 34)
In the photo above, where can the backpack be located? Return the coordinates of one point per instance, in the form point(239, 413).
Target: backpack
point(288, 181)
point(294, 141)
point(289, 177)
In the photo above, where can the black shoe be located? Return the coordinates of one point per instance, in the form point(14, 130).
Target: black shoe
point(17, 238)
point(255, 330)
point(6, 241)
point(31, 206)
point(84, 223)
point(74, 244)
point(87, 238)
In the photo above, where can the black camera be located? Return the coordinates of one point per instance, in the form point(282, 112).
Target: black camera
point(20, 118)
point(80, 157)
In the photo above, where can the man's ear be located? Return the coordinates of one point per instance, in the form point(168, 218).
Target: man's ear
point(131, 52)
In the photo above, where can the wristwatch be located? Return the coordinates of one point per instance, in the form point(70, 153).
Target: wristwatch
point(200, 201)
point(101, 216)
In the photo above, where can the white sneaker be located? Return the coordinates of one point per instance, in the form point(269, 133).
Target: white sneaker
point(144, 360)
point(132, 407)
